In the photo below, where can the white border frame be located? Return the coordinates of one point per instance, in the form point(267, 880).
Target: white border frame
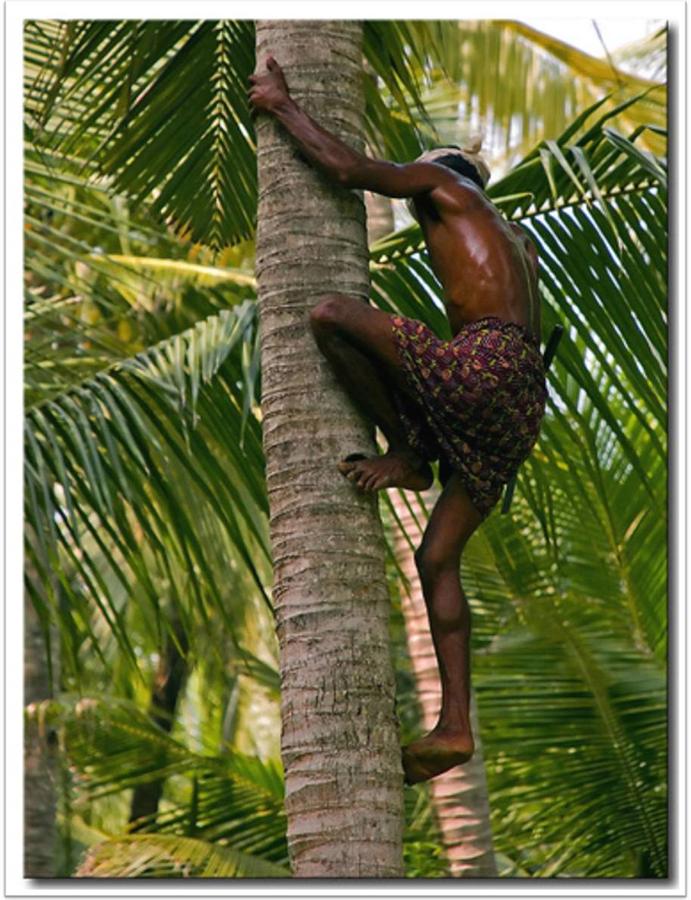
point(674, 11)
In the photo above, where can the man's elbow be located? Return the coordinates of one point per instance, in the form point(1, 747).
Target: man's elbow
point(350, 175)
point(362, 173)
point(344, 177)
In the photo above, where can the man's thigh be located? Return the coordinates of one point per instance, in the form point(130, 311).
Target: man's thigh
point(368, 329)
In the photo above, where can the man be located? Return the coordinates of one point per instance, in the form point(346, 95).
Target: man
point(474, 403)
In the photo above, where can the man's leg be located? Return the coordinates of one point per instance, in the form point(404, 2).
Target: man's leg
point(450, 743)
point(358, 342)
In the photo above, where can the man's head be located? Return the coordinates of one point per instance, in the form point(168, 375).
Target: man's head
point(464, 160)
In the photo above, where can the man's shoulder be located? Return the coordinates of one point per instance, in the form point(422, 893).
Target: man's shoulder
point(460, 195)
point(526, 240)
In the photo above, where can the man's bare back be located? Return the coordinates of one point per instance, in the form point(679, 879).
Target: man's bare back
point(486, 266)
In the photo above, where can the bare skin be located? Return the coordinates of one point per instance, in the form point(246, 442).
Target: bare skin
point(487, 267)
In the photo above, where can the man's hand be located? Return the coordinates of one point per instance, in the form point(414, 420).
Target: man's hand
point(268, 92)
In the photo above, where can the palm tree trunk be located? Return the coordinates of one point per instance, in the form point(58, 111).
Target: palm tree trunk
point(460, 796)
point(340, 745)
point(40, 754)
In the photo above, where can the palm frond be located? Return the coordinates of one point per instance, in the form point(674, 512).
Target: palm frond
point(168, 856)
point(174, 268)
point(102, 283)
point(541, 83)
point(113, 97)
point(113, 746)
point(591, 708)
point(99, 459)
point(647, 55)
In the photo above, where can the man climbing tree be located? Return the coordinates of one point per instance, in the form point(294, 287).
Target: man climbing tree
point(474, 403)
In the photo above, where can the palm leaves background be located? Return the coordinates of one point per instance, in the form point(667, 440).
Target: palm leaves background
point(145, 501)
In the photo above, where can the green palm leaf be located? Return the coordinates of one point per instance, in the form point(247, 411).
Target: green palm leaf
point(232, 798)
point(111, 445)
point(167, 856)
point(115, 95)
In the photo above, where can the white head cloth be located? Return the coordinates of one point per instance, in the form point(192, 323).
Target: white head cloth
point(470, 154)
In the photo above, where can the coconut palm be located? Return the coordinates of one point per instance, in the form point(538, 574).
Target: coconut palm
point(339, 738)
point(142, 368)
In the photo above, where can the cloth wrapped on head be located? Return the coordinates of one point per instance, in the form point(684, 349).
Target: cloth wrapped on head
point(470, 155)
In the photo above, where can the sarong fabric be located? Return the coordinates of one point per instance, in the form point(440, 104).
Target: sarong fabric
point(476, 401)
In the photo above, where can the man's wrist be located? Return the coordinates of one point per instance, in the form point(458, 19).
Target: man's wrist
point(284, 107)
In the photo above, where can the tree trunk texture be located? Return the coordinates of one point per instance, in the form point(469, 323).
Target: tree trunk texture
point(339, 742)
point(460, 796)
point(171, 674)
point(40, 755)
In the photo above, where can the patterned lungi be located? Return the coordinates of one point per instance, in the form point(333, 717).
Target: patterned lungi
point(479, 400)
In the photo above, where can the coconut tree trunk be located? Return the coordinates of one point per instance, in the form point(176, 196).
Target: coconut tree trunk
point(40, 754)
point(460, 796)
point(340, 745)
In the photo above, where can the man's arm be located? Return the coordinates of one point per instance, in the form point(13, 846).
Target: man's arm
point(340, 162)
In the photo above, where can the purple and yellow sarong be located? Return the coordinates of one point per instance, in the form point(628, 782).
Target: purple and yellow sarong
point(479, 400)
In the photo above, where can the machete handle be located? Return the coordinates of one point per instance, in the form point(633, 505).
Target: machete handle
point(547, 357)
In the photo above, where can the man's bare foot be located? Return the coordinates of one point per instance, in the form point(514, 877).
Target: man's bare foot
point(434, 754)
point(393, 469)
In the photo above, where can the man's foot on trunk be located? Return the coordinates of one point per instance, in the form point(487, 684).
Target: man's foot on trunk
point(396, 468)
point(434, 754)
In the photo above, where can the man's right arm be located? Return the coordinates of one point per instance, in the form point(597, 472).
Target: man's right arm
point(341, 163)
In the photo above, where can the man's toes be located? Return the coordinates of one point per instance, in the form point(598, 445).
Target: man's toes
point(362, 480)
point(347, 464)
point(358, 475)
point(370, 484)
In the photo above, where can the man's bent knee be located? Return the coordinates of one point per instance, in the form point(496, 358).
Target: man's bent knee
point(329, 312)
point(433, 564)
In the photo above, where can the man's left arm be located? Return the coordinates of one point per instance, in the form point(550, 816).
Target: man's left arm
point(343, 165)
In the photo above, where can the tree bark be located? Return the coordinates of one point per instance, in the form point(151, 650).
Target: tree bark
point(460, 796)
point(40, 754)
point(339, 743)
